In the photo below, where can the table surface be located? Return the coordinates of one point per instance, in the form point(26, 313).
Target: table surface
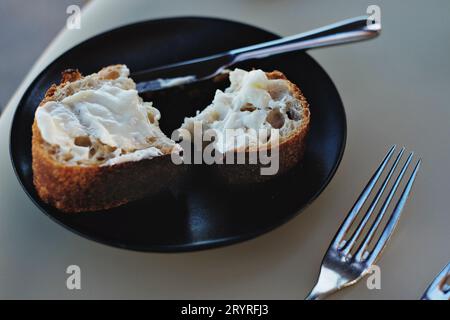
point(39, 26)
point(395, 90)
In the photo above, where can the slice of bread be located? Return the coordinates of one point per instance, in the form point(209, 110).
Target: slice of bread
point(255, 100)
point(97, 145)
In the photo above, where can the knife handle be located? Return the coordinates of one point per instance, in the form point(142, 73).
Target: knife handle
point(349, 30)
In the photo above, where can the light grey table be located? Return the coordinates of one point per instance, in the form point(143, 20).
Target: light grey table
point(395, 90)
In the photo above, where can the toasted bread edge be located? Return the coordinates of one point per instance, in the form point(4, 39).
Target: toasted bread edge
point(291, 149)
point(92, 188)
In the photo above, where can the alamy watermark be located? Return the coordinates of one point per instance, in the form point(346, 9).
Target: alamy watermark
point(73, 281)
point(232, 146)
point(374, 12)
point(374, 278)
point(73, 22)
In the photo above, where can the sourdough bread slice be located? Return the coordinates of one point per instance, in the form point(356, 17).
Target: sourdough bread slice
point(265, 102)
point(97, 145)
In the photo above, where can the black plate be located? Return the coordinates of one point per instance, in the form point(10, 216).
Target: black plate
point(201, 214)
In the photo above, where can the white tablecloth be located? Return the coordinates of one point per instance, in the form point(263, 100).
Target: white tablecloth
point(395, 90)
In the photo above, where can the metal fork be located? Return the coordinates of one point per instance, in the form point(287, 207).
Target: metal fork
point(439, 289)
point(345, 263)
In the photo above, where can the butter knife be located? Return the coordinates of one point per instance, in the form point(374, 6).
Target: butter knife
point(181, 73)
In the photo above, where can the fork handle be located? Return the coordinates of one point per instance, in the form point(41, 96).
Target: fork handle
point(349, 30)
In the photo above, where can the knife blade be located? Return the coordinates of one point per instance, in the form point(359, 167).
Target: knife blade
point(182, 73)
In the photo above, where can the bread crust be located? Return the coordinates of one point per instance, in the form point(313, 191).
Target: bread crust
point(90, 188)
point(291, 148)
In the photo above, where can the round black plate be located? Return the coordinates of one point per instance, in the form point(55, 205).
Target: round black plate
point(201, 213)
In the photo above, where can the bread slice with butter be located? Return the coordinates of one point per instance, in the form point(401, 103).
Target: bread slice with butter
point(255, 101)
point(97, 145)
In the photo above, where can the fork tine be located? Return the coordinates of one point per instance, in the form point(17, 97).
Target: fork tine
point(438, 285)
point(382, 212)
point(395, 217)
point(362, 198)
point(442, 277)
point(349, 244)
point(446, 272)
